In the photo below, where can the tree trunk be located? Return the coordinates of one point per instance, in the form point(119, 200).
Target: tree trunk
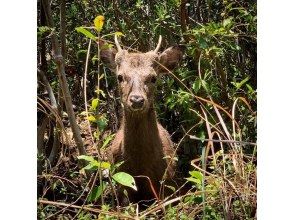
point(59, 60)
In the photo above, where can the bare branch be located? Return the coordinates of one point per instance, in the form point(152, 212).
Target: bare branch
point(63, 81)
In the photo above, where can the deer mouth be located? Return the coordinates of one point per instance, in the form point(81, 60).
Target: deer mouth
point(137, 107)
point(136, 103)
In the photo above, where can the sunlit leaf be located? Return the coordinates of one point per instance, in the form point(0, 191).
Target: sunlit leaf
point(87, 158)
point(101, 164)
point(91, 118)
point(196, 85)
point(98, 22)
point(85, 32)
point(118, 33)
point(125, 179)
point(196, 174)
point(94, 104)
point(191, 179)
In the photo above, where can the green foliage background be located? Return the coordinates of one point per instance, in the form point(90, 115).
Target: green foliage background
point(219, 62)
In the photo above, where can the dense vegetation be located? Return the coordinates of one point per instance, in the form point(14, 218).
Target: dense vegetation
point(208, 105)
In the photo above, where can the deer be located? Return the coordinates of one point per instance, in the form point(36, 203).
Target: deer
point(141, 141)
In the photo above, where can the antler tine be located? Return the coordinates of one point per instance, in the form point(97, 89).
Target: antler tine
point(158, 45)
point(117, 43)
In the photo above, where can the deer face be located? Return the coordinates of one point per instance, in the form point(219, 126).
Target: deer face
point(136, 76)
point(137, 73)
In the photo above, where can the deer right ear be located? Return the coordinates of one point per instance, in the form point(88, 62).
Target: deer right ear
point(170, 58)
point(107, 55)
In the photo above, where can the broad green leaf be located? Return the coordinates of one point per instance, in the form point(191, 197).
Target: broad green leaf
point(103, 164)
point(125, 179)
point(91, 118)
point(87, 158)
point(95, 103)
point(97, 164)
point(191, 179)
point(101, 123)
point(196, 174)
point(98, 22)
point(85, 32)
point(96, 192)
point(90, 166)
point(202, 43)
point(81, 54)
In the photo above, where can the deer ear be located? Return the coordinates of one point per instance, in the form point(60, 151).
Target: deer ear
point(107, 55)
point(170, 58)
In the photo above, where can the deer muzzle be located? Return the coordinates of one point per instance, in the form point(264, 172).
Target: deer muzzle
point(137, 102)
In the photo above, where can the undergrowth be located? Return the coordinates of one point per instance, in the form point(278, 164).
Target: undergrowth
point(208, 105)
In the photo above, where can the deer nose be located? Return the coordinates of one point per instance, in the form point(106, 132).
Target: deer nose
point(137, 101)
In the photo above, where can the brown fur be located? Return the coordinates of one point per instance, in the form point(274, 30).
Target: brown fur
point(141, 142)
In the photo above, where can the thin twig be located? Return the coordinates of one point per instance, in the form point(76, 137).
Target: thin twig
point(71, 204)
point(222, 141)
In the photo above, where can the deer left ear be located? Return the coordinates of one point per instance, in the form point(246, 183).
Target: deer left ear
point(170, 58)
point(107, 55)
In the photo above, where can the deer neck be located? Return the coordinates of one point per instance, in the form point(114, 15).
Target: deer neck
point(141, 134)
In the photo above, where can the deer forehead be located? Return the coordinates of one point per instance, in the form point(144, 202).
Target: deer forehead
point(136, 64)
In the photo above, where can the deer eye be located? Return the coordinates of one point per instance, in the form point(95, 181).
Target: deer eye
point(120, 78)
point(153, 79)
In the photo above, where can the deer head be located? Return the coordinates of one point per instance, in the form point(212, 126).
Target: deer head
point(137, 73)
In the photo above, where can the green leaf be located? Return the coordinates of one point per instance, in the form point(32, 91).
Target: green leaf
point(196, 85)
point(227, 22)
point(118, 33)
point(202, 43)
point(94, 59)
point(107, 140)
point(205, 85)
point(101, 123)
point(191, 179)
point(117, 165)
point(240, 84)
point(90, 166)
point(202, 136)
point(95, 103)
point(85, 32)
point(125, 179)
point(103, 164)
point(99, 91)
point(171, 187)
point(87, 158)
point(196, 174)
point(91, 118)
point(98, 22)
point(96, 192)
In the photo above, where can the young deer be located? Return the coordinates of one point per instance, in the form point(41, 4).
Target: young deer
point(141, 142)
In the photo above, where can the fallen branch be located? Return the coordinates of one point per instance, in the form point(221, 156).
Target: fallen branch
point(95, 210)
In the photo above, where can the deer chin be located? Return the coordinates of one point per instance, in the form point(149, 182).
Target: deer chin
point(135, 111)
point(138, 110)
